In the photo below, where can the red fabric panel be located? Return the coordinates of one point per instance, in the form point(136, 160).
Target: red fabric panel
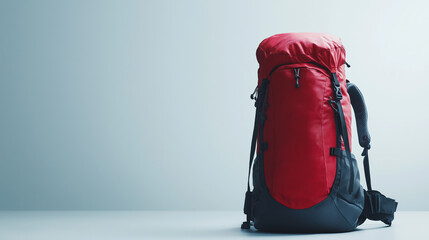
point(300, 130)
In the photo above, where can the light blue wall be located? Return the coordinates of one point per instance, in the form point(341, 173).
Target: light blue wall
point(145, 104)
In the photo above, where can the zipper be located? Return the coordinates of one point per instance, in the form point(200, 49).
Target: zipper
point(318, 66)
point(297, 70)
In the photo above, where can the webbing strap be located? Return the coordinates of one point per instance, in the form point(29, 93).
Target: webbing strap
point(252, 147)
point(339, 113)
point(260, 104)
point(366, 168)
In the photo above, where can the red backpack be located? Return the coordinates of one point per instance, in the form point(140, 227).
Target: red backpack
point(305, 177)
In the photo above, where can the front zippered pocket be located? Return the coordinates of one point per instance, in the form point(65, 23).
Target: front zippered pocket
point(299, 172)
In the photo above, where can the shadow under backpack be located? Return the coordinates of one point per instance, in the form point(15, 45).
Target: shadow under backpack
point(305, 177)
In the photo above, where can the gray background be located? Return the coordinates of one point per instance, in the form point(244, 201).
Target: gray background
point(126, 105)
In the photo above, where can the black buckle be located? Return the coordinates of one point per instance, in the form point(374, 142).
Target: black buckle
point(332, 103)
point(337, 89)
point(365, 150)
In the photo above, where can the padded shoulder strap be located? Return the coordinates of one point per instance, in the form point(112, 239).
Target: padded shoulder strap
point(361, 114)
point(377, 206)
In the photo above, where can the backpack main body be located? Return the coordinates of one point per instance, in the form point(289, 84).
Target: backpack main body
point(304, 176)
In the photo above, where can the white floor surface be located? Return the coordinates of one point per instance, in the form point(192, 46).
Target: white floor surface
point(106, 225)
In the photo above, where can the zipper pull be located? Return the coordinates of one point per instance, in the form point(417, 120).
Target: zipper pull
point(254, 95)
point(348, 65)
point(296, 71)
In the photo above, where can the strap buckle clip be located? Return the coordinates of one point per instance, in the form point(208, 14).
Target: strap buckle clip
point(332, 104)
point(254, 95)
point(337, 89)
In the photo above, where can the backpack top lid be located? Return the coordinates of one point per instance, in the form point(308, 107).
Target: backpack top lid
point(290, 48)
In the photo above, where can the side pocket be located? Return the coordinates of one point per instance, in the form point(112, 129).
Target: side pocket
point(356, 197)
point(350, 204)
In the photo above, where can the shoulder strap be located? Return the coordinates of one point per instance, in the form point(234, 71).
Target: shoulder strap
point(377, 206)
point(361, 114)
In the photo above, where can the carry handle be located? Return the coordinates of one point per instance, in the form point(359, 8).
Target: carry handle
point(361, 114)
